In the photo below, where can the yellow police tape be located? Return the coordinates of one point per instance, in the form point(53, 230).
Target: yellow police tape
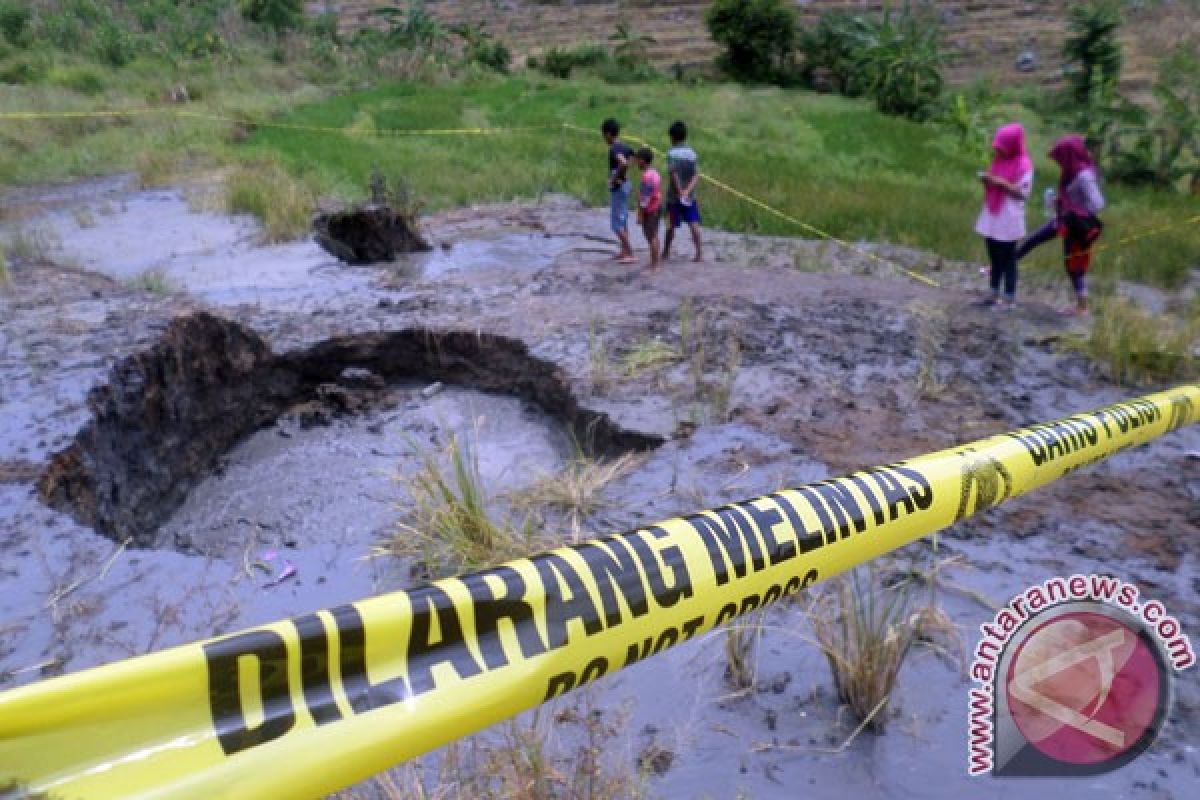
point(303, 707)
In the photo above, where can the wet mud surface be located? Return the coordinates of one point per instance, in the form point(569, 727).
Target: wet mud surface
point(160, 438)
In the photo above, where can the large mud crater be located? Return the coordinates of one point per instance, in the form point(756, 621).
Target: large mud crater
point(169, 414)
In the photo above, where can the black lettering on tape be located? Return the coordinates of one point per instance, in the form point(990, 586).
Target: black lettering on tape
point(510, 606)
point(566, 599)
point(314, 669)
point(667, 590)
point(431, 605)
point(352, 646)
point(921, 492)
point(778, 551)
point(613, 567)
point(895, 494)
point(828, 531)
point(559, 685)
point(596, 668)
point(690, 627)
point(225, 690)
point(869, 493)
point(805, 541)
point(843, 505)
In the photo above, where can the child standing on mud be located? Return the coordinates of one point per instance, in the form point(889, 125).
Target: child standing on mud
point(1002, 222)
point(1077, 203)
point(682, 175)
point(619, 154)
point(649, 202)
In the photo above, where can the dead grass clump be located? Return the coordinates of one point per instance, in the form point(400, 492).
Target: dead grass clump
point(571, 754)
point(576, 490)
point(647, 355)
point(932, 325)
point(156, 168)
point(29, 245)
point(741, 651)
point(282, 203)
point(154, 281)
point(865, 630)
point(599, 360)
point(450, 527)
point(1138, 347)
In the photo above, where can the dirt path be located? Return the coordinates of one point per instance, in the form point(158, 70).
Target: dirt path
point(780, 362)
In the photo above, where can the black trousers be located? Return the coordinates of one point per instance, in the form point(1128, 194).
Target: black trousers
point(1003, 256)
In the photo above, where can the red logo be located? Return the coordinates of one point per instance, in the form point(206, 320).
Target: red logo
point(1085, 690)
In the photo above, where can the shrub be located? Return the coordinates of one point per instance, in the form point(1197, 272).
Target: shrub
point(481, 48)
point(283, 204)
point(759, 37)
point(114, 46)
point(865, 631)
point(1092, 49)
point(30, 67)
point(631, 49)
point(831, 50)
point(1137, 347)
point(82, 79)
point(1166, 151)
point(14, 23)
point(276, 15)
point(412, 26)
point(559, 62)
point(901, 63)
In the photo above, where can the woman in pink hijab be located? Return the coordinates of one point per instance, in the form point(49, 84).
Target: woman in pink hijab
point(1006, 187)
point(1076, 205)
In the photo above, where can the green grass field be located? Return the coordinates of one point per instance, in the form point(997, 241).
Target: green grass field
point(833, 163)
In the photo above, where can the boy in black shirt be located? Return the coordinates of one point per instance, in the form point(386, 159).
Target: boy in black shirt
point(619, 155)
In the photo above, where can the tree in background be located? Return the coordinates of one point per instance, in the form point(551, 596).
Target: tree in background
point(277, 15)
point(1092, 49)
point(1164, 150)
point(759, 37)
point(895, 58)
point(900, 60)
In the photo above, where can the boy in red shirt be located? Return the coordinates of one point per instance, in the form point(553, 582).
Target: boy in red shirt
point(649, 202)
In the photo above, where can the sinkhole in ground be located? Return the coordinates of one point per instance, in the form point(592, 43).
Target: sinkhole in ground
point(193, 413)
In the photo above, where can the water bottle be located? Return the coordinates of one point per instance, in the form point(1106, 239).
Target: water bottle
point(1049, 198)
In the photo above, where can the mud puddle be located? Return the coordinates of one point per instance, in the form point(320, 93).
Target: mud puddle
point(339, 484)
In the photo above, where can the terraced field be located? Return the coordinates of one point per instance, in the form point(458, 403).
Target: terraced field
point(983, 39)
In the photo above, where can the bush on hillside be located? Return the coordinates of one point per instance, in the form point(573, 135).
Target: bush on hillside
point(1165, 150)
point(901, 61)
point(14, 23)
point(759, 37)
point(275, 15)
point(831, 50)
point(559, 62)
point(480, 48)
point(1092, 50)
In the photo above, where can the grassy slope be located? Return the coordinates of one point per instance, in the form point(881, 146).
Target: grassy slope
point(833, 163)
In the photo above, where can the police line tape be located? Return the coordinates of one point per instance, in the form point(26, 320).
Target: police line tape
point(306, 706)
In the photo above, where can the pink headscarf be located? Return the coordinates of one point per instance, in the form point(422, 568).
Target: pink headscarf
point(1071, 154)
point(1010, 163)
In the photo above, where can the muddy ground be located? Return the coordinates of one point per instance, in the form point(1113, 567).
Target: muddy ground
point(801, 361)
